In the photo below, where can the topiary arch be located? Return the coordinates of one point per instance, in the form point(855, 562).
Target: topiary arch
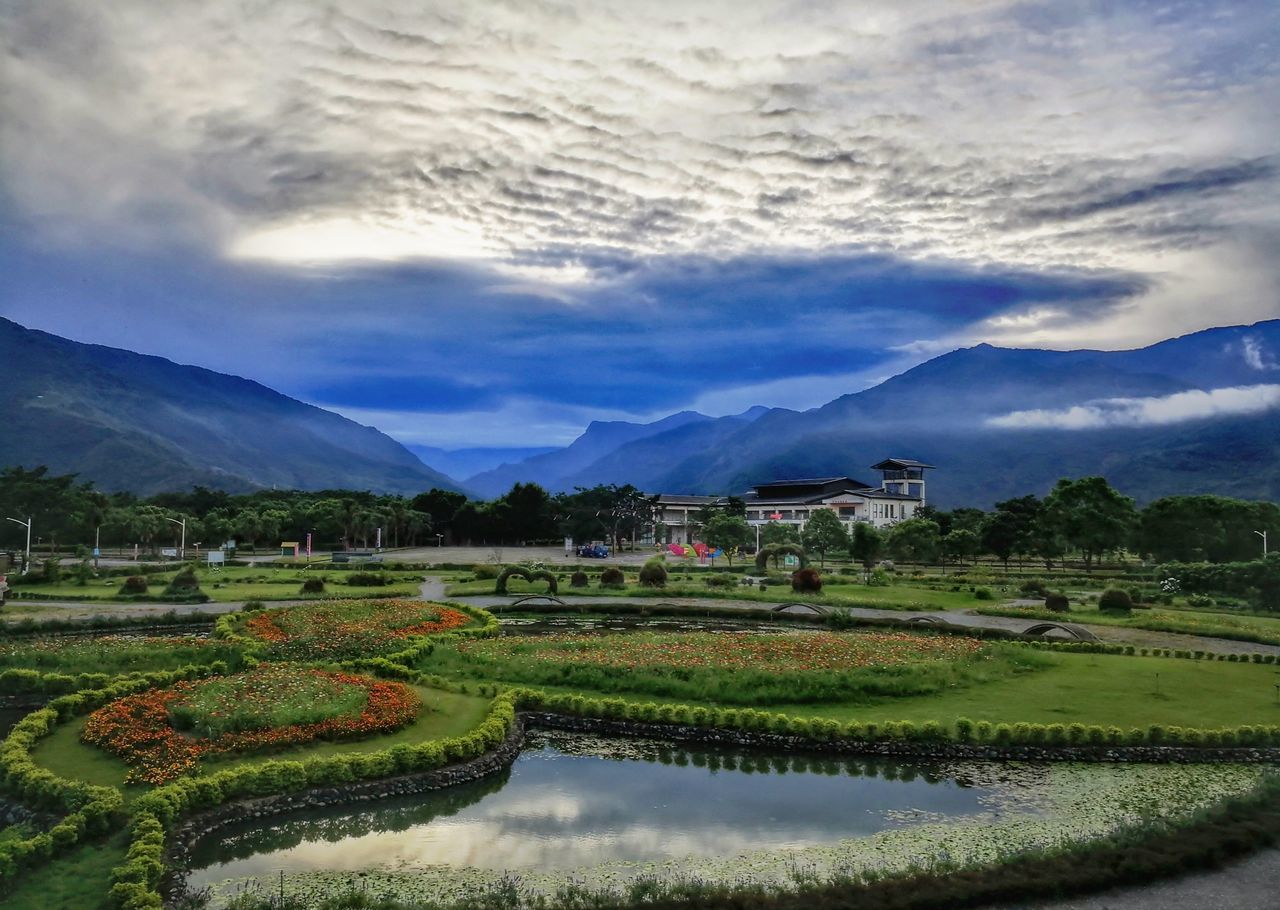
point(776, 551)
point(527, 575)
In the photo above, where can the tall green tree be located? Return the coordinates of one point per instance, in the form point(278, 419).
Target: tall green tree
point(1089, 516)
point(960, 544)
point(866, 544)
point(727, 532)
point(777, 532)
point(824, 533)
point(915, 540)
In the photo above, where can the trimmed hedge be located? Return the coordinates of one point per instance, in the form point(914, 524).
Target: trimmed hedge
point(500, 586)
point(963, 730)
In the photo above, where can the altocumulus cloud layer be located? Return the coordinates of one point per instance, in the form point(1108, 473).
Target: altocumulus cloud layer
point(460, 218)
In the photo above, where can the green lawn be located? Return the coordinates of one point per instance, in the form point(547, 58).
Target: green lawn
point(78, 881)
point(900, 596)
point(1111, 690)
point(236, 583)
point(449, 715)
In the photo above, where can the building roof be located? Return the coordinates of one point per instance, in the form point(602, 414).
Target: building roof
point(899, 463)
point(804, 482)
point(754, 500)
point(682, 499)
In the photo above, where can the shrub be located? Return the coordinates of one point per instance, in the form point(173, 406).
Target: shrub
point(879, 579)
point(653, 574)
point(983, 594)
point(1113, 600)
point(134, 584)
point(1057, 603)
point(367, 580)
point(485, 571)
point(613, 577)
point(579, 580)
point(313, 586)
point(52, 570)
point(806, 581)
point(1201, 600)
point(721, 580)
point(185, 582)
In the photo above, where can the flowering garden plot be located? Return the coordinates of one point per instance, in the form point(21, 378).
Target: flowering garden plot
point(109, 653)
point(745, 669)
point(344, 629)
point(162, 733)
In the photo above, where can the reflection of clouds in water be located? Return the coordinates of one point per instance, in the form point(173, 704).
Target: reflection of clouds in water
point(573, 802)
point(491, 845)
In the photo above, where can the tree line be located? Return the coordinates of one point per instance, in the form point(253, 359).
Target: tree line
point(1084, 517)
point(66, 512)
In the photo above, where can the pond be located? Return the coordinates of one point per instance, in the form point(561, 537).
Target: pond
point(10, 716)
point(603, 812)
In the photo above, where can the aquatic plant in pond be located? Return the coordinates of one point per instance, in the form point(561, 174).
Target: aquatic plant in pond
point(344, 629)
point(162, 733)
point(747, 669)
point(618, 813)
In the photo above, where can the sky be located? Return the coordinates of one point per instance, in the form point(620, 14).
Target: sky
point(489, 223)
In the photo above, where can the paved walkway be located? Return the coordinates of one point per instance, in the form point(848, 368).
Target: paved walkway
point(1251, 884)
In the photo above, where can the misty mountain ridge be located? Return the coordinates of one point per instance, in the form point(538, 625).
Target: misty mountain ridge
point(998, 422)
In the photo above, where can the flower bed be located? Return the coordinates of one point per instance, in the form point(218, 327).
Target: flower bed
point(265, 709)
point(790, 653)
point(740, 669)
point(345, 629)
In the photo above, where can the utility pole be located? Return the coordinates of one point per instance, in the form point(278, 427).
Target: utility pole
point(26, 566)
point(1262, 534)
point(182, 551)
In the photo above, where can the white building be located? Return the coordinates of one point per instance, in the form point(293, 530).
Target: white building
point(792, 502)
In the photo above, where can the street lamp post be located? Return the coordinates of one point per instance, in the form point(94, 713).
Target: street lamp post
point(1262, 534)
point(182, 550)
point(26, 566)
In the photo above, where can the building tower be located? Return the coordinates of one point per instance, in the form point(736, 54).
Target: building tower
point(904, 476)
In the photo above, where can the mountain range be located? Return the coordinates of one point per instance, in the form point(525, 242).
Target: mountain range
point(145, 424)
point(1198, 413)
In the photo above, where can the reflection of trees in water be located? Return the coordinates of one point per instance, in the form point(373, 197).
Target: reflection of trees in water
point(335, 823)
point(728, 758)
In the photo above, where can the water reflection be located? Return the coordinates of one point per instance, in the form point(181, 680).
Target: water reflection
point(571, 801)
point(10, 716)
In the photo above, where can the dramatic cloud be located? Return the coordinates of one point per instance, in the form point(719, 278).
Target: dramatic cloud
point(1141, 412)
point(617, 207)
